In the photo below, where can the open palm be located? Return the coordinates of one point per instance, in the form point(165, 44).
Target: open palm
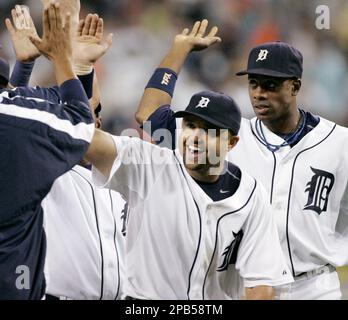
point(196, 39)
point(89, 43)
point(20, 31)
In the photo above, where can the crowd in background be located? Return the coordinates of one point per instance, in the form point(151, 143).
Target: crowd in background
point(144, 29)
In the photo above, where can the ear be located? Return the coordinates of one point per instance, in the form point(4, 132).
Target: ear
point(296, 86)
point(233, 140)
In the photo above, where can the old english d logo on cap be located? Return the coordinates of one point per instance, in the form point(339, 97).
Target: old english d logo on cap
point(262, 55)
point(274, 59)
point(216, 108)
point(203, 103)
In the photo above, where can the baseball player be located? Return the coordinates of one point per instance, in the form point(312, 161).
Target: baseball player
point(85, 225)
point(40, 141)
point(300, 158)
point(198, 227)
point(85, 228)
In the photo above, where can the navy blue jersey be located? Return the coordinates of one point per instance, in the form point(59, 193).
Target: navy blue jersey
point(39, 141)
point(20, 79)
point(51, 94)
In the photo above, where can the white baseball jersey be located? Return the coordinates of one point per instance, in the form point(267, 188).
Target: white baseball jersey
point(85, 244)
point(308, 188)
point(181, 244)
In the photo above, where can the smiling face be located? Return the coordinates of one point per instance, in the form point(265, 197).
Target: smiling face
point(204, 148)
point(271, 98)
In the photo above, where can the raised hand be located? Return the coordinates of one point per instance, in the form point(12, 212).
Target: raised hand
point(56, 42)
point(71, 6)
point(196, 39)
point(20, 31)
point(89, 43)
point(174, 60)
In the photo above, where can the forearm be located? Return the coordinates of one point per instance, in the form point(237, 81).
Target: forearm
point(21, 73)
point(94, 100)
point(176, 57)
point(160, 89)
point(259, 293)
point(63, 70)
point(101, 152)
point(154, 96)
point(87, 83)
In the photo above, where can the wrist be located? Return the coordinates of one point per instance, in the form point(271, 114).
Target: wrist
point(183, 48)
point(27, 61)
point(175, 58)
point(63, 70)
point(21, 73)
point(61, 61)
point(163, 79)
point(82, 69)
point(87, 82)
point(23, 57)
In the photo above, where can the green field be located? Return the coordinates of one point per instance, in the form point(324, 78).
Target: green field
point(343, 273)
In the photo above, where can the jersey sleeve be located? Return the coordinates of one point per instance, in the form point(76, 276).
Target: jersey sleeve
point(21, 75)
point(260, 258)
point(135, 170)
point(51, 94)
point(39, 141)
point(161, 126)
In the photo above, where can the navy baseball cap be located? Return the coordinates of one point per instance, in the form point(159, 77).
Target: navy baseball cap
point(275, 59)
point(214, 107)
point(4, 69)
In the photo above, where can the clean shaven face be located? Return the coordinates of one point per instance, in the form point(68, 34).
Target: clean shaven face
point(270, 97)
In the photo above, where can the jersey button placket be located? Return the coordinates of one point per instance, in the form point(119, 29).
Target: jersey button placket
point(202, 262)
point(208, 214)
point(209, 239)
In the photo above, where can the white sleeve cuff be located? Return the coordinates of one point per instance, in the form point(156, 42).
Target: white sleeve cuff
point(268, 282)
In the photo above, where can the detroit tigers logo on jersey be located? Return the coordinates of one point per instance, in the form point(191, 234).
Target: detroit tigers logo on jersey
point(203, 103)
point(262, 55)
point(230, 252)
point(319, 189)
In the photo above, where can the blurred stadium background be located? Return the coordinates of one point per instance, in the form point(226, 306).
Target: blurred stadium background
point(144, 30)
